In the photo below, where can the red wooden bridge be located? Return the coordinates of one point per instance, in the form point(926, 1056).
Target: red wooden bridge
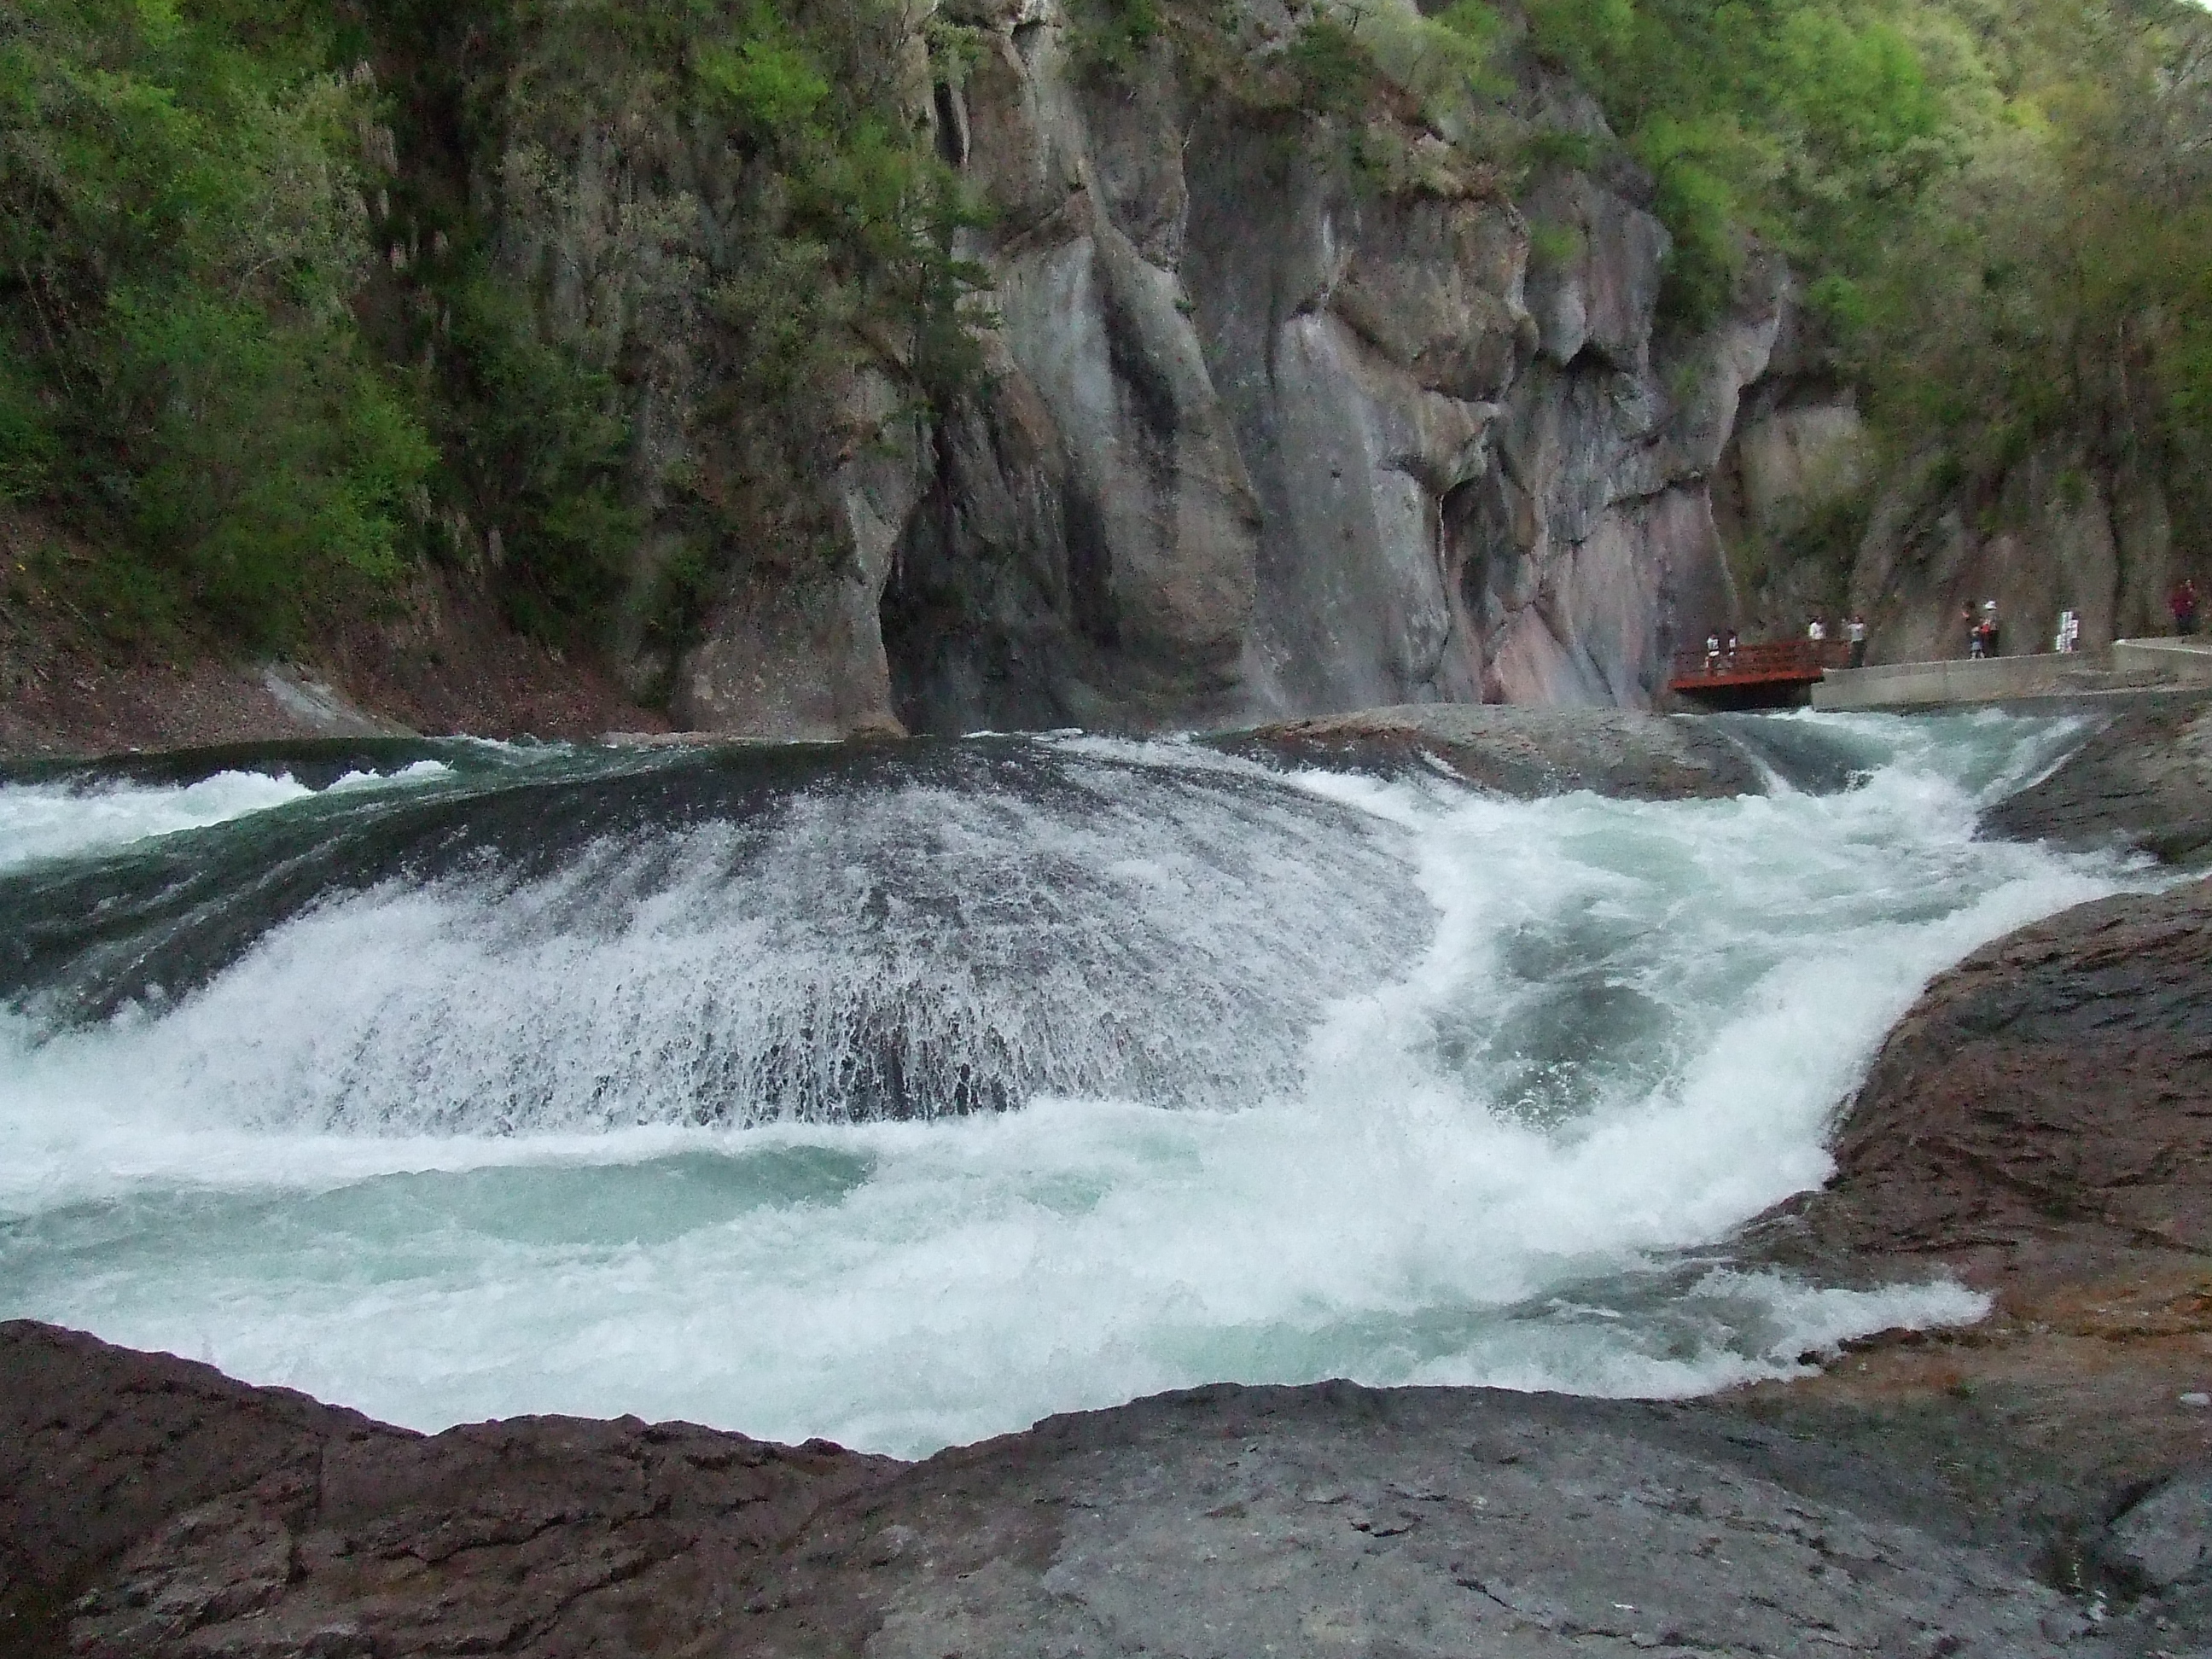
point(1755, 674)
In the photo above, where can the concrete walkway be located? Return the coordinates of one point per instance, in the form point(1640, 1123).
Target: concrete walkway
point(2189, 658)
point(2130, 665)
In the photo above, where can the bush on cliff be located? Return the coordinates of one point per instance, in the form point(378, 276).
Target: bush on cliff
point(181, 228)
point(2061, 283)
point(267, 342)
point(2000, 210)
point(1814, 124)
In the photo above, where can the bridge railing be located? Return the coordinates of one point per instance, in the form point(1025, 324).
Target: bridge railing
point(1783, 660)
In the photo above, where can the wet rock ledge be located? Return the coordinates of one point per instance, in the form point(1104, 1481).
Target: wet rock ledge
point(153, 1507)
point(2040, 1126)
point(2142, 779)
point(1522, 751)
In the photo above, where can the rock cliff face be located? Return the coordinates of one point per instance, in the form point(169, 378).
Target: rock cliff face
point(2073, 526)
point(2079, 521)
point(1273, 436)
point(1283, 412)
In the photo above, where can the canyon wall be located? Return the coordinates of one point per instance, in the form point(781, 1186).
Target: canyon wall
point(1270, 435)
point(1280, 412)
point(2078, 519)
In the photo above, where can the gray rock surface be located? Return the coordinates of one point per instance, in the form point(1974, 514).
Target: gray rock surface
point(2143, 780)
point(2068, 530)
point(1524, 752)
point(152, 1507)
point(2078, 520)
point(1282, 413)
point(1333, 1519)
point(2165, 1539)
point(800, 662)
point(1267, 437)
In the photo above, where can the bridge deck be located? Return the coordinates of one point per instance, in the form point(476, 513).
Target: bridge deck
point(1781, 666)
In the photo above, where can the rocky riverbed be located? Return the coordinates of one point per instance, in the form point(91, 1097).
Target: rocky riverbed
point(2036, 1126)
point(2142, 779)
point(154, 1507)
point(1520, 751)
point(2025, 1486)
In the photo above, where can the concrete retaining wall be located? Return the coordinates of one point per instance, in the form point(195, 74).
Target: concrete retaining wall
point(2130, 665)
point(2189, 658)
point(1992, 679)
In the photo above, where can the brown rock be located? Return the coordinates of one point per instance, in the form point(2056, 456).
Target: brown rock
point(150, 1505)
point(1295, 1520)
point(2058, 1082)
point(2144, 781)
point(2038, 1126)
point(1523, 752)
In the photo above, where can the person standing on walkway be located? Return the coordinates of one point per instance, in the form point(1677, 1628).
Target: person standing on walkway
point(1854, 630)
point(1974, 637)
point(2182, 601)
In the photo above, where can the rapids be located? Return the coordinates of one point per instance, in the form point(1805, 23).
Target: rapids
point(903, 1094)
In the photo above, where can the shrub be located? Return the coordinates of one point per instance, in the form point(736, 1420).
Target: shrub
point(1335, 77)
point(29, 446)
point(1107, 37)
point(183, 228)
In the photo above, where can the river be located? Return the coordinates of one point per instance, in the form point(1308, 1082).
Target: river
point(903, 1094)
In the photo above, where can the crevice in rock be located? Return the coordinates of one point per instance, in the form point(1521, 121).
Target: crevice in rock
point(952, 126)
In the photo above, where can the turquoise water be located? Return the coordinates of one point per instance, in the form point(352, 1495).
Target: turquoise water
point(905, 1100)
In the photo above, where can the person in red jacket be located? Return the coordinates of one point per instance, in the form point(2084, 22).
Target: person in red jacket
point(2182, 601)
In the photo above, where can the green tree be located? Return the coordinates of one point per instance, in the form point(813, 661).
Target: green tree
point(181, 230)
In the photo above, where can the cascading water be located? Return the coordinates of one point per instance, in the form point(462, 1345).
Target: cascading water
point(903, 1094)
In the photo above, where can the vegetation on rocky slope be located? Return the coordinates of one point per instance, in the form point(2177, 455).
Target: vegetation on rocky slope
point(261, 341)
point(184, 234)
point(2001, 211)
point(286, 310)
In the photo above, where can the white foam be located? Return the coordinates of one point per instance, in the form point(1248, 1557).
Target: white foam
point(42, 822)
point(1622, 1031)
point(837, 958)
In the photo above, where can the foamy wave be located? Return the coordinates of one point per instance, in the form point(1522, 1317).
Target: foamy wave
point(1480, 1073)
point(42, 822)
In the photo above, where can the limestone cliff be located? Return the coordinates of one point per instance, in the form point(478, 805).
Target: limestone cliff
point(2078, 523)
point(2078, 519)
point(1270, 434)
point(1282, 412)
